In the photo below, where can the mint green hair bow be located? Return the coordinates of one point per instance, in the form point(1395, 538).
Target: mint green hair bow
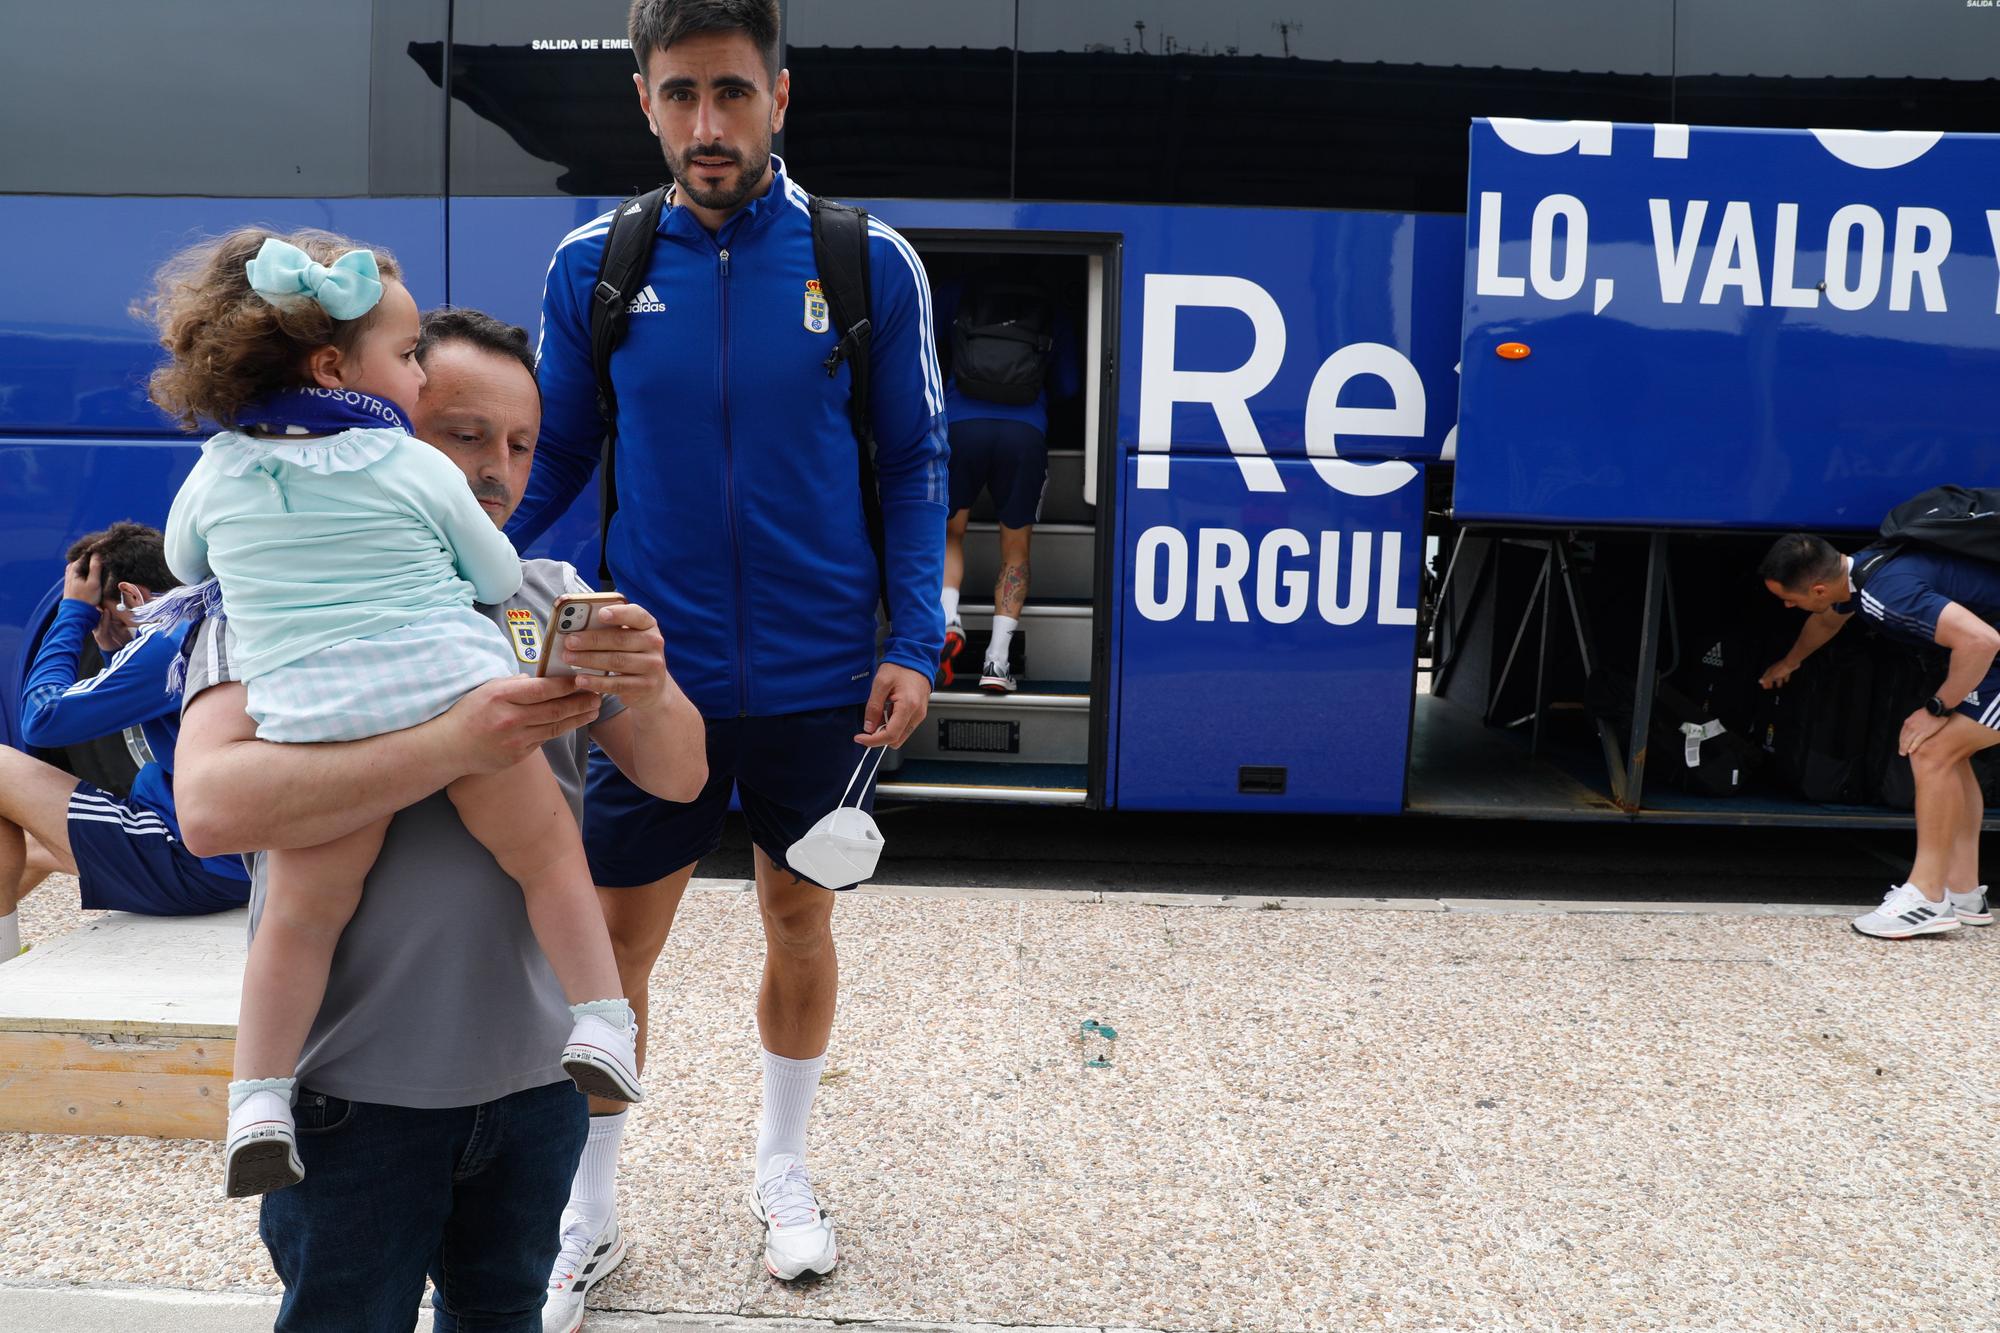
point(348, 288)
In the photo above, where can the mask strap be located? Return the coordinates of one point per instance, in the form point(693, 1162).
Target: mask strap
point(875, 753)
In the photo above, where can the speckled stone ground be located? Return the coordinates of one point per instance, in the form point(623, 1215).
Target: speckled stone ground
point(1311, 1119)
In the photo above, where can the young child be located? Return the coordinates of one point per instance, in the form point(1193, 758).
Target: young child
point(348, 555)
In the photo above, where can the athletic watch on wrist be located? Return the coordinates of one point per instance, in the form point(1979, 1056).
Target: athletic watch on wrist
point(1935, 706)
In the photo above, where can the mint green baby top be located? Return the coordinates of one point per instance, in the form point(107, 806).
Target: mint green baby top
point(319, 541)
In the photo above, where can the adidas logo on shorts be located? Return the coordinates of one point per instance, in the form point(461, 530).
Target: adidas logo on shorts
point(647, 302)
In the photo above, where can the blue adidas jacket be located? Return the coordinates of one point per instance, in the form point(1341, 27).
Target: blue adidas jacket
point(57, 709)
point(739, 518)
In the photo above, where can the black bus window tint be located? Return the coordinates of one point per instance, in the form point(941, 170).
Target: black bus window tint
point(192, 99)
point(1839, 64)
point(1273, 102)
point(900, 98)
point(542, 100)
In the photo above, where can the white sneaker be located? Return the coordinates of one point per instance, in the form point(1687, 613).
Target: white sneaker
point(1905, 912)
point(994, 678)
point(584, 1260)
point(797, 1236)
point(1970, 908)
point(602, 1059)
point(262, 1153)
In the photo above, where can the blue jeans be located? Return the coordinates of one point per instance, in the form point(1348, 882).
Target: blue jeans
point(472, 1196)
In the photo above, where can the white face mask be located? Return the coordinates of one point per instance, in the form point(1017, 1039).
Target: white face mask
point(843, 847)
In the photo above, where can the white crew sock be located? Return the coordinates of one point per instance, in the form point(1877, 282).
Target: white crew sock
point(593, 1194)
point(949, 597)
point(1003, 635)
point(10, 935)
point(789, 1086)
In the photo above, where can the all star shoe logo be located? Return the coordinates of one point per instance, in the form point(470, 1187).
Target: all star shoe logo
point(647, 302)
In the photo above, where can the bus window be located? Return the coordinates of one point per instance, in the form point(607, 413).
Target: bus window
point(1848, 64)
point(1270, 102)
point(909, 99)
point(542, 101)
point(213, 99)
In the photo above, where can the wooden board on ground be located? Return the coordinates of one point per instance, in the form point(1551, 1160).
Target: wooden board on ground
point(126, 1025)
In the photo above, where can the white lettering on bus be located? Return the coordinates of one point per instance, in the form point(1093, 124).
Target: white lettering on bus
point(1162, 384)
point(1286, 580)
point(1854, 255)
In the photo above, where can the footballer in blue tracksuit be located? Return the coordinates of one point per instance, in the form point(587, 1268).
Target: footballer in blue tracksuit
point(125, 851)
point(740, 522)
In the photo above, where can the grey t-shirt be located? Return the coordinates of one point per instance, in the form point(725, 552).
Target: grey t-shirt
point(439, 994)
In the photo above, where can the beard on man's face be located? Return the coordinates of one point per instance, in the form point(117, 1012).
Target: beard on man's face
point(749, 174)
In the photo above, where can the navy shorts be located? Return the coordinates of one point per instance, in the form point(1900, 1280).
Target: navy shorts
point(128, 860)
point(1983, 704)
point(788, 772)
point(1008, 458)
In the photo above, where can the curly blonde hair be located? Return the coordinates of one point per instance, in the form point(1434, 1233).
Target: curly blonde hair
point(228, 345)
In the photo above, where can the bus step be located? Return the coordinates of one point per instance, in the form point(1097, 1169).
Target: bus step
point(1062, 502)
point(972, 780)
point(1054, 639)
point(1043, 722)
point(1063, 556)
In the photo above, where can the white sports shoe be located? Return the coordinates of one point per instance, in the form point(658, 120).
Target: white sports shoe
point(797, 1236)
point(1970, 908)
point(583, 1261)
point(602, 1059)
point(994, 678)
point(263, 1147)
point(1906, 912)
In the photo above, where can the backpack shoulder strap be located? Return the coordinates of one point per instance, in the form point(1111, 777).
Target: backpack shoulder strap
point(840, 253)
point(620, 270)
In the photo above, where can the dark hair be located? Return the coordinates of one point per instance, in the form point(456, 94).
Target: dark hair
point(229, 345)
point(475, 328)
point(130, 553)
point(1798, 560)
point(655, 25)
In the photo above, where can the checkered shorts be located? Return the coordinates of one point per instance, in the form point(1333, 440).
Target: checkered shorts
point(385, 682)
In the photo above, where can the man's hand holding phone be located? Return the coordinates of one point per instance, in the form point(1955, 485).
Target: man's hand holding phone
point(617, 649)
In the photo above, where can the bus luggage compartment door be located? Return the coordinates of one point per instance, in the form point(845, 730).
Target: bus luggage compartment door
point(1713, 328)
point(1267, 649)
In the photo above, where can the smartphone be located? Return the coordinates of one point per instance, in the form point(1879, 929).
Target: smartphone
point(573, 611)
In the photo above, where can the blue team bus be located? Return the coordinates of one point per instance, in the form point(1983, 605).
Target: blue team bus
point(1436, 375)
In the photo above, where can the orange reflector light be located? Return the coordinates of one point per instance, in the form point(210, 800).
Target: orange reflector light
point(1512, 351)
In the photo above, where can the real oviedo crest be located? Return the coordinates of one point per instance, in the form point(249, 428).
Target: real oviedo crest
point(525, 633)
point(816, 321)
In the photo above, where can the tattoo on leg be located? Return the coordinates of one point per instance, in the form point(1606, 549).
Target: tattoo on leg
point(1011, 594)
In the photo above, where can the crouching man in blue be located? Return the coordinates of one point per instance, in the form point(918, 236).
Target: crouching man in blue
point(438, 1131)
point(1920, 597)
point(126, 853)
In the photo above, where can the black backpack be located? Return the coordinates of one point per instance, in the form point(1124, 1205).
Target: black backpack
point(840, 253)
point(1964, 520)
point(1000, 341)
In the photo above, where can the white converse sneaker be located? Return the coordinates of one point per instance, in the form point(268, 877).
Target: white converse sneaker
point(797, 1236)
point(263, 1147)
point(1905, 912)
point(1971, 909)
point(602, 1059)
point(585, 1259)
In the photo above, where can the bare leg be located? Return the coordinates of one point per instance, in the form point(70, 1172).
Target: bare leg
point(1010, 590)
point(954, 548)
point(801, 984)
point(640, 919)
point(1962, 869)
point(34, 825)
point(1942, 803)
point(520, 816)
point(310, 896)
